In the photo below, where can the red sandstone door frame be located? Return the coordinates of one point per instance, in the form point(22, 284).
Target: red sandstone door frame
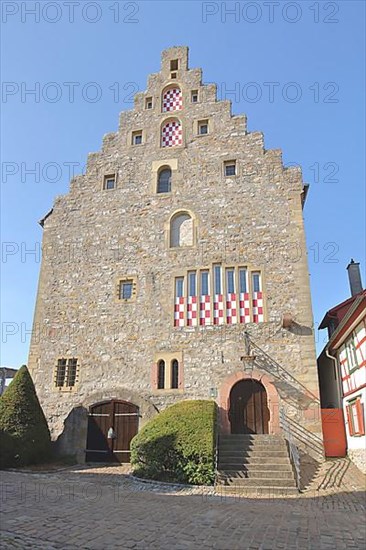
point(272, 400)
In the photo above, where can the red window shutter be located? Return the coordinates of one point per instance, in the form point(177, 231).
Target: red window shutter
point(361, 420)
point(349, 419)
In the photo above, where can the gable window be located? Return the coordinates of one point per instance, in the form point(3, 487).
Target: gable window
point(164, 180)
point(109, 182)
point(148, 103)
point(181, 230)
point(171, 134)
point(230, 168)
point(137, 137)
point(203, 127)
point(205, 283)
point(230, 281)
point(174, 65)
point(66, 373)
point(194, 96)
point(217, 279)
point(172, 99)
point(175, 374)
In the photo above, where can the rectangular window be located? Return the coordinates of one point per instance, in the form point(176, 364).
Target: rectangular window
point(137, 137)
point(66, 373)
point(148, 103)
point(203, 127)
point(174, 65)
point(243, 286)
point(60, 373)
point(205, 289)
point(355, 416)
point(179, 287)
point(351, 354)
point(192, 283)
point(230, 281)
point(194, 96)
point(71, 372)
point(230, 168)
point(217, 279)
point(126, 289)
point(109, 182)
point(256, 278)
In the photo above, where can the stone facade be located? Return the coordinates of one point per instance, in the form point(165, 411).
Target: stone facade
point(96, 237)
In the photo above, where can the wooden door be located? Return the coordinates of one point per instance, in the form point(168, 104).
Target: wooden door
point(248, 413)
point(123, 418)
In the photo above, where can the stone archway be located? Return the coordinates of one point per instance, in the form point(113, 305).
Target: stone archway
point(272, 399)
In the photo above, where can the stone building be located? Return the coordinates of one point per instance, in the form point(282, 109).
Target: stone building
point(176, 268)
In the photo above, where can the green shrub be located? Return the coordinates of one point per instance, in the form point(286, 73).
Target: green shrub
point(24, 432)
point(178, 444)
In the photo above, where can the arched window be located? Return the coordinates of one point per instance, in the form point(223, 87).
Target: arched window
point(164, 180)
point(161, 374)
point(181, 230)
point(171, 134)
point(172, 99)
point(175, 374)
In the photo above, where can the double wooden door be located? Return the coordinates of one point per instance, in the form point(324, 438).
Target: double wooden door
point(248, 413)
point(123, 417)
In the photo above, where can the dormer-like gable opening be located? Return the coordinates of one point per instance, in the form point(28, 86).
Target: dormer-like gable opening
point(172, 99)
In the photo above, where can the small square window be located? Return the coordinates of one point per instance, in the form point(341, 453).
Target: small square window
point(173, 75)
point(194, 96)
point(203, 127)
point(126, 289)
point(137, 138)
point(174, 65)
point(109, 182)
point(148, 103)
point(230, 168)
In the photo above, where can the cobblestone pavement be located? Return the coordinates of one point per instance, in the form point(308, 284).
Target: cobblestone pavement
point(103, 508)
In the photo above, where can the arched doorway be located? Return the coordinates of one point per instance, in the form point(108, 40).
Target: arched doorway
point(248, 409)
point(123, 417)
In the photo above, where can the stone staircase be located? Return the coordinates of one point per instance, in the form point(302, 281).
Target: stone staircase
point(255, 464)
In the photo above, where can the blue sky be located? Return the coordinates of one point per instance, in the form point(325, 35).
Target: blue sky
point(312, 51)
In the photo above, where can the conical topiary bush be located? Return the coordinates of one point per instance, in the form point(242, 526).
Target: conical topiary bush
point(25, 436)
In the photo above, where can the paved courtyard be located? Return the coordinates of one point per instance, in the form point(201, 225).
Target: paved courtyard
point(103, 508)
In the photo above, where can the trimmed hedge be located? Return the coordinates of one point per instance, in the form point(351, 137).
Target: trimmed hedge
point(178, 444)
point(24, 434)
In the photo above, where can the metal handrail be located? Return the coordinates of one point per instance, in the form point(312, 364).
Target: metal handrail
point(217, 443)
point(294, 452)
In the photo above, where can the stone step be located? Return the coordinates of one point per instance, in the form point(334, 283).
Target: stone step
point(233, 479)
point(253, 453)
point(254, 458)
point(234, 465)
point(263, 492)
point(225, 473)
point(264, 438)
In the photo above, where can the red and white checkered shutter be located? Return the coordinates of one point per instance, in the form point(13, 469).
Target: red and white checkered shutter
point(231, 309)
point(192, 311)
point(179, 312)
point(244, 307)
point(172, 134)
point(172, 100)
point(218, 309)
point(205, 310)
point(257, 298)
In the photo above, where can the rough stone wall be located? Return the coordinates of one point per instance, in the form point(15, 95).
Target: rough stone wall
point(95, 237)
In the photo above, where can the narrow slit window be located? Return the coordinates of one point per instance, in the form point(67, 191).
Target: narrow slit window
point(161, 375)
point(230, 281)
point(175, 374)
point(217, 279)
point(179, 287)
point(148, 103)
point(243, 280)
point(192, 283)
point(205, 290)
point(194, 96)
point(256, 278)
